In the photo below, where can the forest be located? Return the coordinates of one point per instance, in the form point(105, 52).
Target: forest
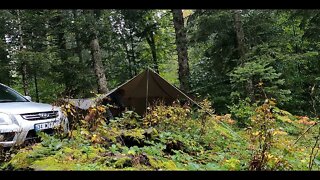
point(255, 72)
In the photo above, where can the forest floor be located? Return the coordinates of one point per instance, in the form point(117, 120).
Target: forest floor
point(174, 138)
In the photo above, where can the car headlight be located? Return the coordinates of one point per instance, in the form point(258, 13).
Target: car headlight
point(5, 119)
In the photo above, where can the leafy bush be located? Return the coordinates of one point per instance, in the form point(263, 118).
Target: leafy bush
point(263, 136)
point(167, 138)
point(242, 112)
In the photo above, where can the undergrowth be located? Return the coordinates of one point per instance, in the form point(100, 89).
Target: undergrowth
point(172, 138)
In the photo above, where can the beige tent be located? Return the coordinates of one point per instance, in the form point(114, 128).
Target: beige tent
point(140, 92)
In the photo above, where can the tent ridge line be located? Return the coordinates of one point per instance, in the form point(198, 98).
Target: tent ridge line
point(177, 89)
point(161, 87)
point(114, 89)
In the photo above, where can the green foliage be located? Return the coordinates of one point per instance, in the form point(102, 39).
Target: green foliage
point(264, 131)
point(281, 60)
point(242, 112)
point(263, 76)
point(121, 145)
point(281, 51)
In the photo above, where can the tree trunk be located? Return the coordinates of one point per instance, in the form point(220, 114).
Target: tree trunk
point(181, 42)
point(129, 60)
point(24, 71)
point(133, 57)
point(66, 69)
point(78, 48)
point(36, 86)
point(294, 35)
point(34, 69)
point(64, 58)
point(98, 66)
point(240, 35)
point(152, 45)
point(250, 89)
point(242, 50)
point(123, 42)
point(25, 79)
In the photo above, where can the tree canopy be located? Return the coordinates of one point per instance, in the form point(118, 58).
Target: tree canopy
point(223, 55)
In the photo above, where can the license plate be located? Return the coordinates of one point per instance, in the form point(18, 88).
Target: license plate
point(46, 125)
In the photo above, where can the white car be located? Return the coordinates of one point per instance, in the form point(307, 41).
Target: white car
point(21, 119)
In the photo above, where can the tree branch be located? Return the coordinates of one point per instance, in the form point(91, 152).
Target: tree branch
point(304, 133)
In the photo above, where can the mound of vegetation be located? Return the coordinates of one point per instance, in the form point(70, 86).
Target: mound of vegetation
point(175, 138)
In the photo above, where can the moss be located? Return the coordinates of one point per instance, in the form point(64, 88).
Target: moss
point(283, 118)
point(111, 133)
point(50, 163)
point(84, 154)
point(170, 165)
point(155, 163)
point(21, 160)
point(92, 155)
point(123, 162)
point(67, 150)
point(232, 164)
point(135, 133)
point(76, 153)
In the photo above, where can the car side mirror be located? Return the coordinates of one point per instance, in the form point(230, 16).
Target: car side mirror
point(27, 97)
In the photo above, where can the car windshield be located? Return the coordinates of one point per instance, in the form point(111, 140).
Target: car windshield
point(8, 95)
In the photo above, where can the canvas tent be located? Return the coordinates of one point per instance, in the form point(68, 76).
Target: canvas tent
point(140, 92)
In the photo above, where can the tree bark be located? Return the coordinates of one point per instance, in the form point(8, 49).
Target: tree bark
point(129, 60)
point(240, 35)
point(181, 42)
point(133, 57)
point(24, 71)
point(25, 79)
point(242, 50)
point(98, 66)
point(36, 86)
point(123, 42)
point(152, 44)
point(78, 48)
point(294, 35)
point(250, 89)
point(63, 53)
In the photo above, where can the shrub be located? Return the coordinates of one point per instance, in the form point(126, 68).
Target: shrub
point(242, 112)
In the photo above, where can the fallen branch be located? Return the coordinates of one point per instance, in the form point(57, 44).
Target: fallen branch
point(305, 132)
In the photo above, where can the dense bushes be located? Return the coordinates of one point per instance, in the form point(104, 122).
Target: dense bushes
point(169, 138)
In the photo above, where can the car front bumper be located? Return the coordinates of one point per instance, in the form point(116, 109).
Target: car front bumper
point(16, 134)
point(5, 131)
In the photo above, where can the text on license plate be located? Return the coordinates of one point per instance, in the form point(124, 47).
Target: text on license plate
point(46, 125)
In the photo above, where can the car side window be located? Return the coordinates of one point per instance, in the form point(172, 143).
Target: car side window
point(7, 95)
